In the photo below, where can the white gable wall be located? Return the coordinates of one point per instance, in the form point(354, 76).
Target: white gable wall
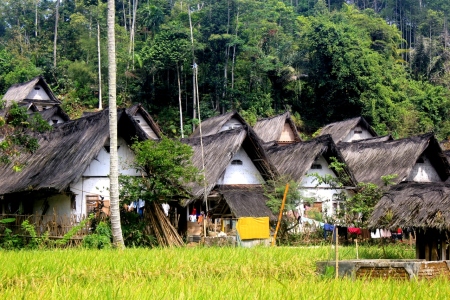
point(323, 193)
point(246, 173)
point(287, 135)
point(55, 120)
point(231, 124)
point(38, 93)
point(357, 133)
point(145, 126)
point(424, 172)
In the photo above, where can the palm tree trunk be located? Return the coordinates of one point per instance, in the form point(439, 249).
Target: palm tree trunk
point(114, 161)
point(55, 39)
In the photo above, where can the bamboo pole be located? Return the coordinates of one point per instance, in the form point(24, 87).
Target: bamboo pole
point(357, 254)
point(281, 214)
point(337, 250)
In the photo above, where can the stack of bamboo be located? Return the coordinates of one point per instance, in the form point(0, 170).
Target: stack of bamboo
point(165, 233)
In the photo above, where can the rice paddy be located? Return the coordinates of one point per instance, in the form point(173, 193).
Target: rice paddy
point(199, 273)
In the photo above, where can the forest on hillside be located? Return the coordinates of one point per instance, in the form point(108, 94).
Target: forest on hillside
point(387, 60)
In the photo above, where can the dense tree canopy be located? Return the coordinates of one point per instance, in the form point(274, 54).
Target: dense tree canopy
point(324, 60)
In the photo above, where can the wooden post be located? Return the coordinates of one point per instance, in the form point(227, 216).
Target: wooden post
point(281, 214)
point(337, 251)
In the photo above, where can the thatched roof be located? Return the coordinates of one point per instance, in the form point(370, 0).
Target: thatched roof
point(246, 201)
point(18, 92)
point(138, 108)
point(270, 129)
point(383, 138)
point(370, 161)
point(214, 124)
point(219, 150)
point(419, 205)
point(48, 114)
point(64, 153)
point(296, 159)
point(339, 130)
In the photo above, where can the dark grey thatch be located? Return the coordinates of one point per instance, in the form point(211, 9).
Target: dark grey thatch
point(246, 201)
point(296, 159)
point(219, 150)
point(63, 154)
point(214, 124)
point(375, 139)
point(419, 205)
point(270, 129)
point(49, 114)
point(339, 130)
point(138, 108)
point(370, 161)
point(19, 92)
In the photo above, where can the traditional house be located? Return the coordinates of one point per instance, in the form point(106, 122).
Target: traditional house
point(235, 167)
point(422, 207)
point(68, 175)
point(298, 161)
point(216, 124)
point(280, 129)
point(35, 91)
point(349, 130)
point(54, 115)
point(418, 159)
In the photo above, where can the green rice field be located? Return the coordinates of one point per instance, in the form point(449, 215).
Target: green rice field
point(199, 273)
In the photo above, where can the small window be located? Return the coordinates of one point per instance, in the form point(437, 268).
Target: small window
point(420, 160)
point(316, 166)
point(357, 131)
point(236, 162)
point(37, 88)
point(108, 149)
point(137, 120)
point(55, 121)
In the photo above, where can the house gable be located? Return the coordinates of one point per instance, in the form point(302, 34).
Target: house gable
point(145, 126)
point(287, 135)
point(321, 167)
point(38, 93)
point(241, 170)
point(423, 171)
point(232, 123)
point(358, 133)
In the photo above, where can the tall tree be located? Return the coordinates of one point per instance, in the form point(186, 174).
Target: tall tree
point(114, 161)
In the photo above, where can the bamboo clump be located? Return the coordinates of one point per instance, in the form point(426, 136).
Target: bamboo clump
point(164, 231)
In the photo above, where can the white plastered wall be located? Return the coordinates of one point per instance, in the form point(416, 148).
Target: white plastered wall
point(231, 124)
point(38, 93)
point(58, 204)
point(323, 192)
point(145, 126)
point(246, 173)
point(354, 134)
point(424, 172)
point(95, 179)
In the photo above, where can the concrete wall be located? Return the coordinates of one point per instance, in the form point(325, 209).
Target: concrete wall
point(241, 174)
point(59, 204)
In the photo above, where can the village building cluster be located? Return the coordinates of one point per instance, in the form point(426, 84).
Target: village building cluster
point(67, 177)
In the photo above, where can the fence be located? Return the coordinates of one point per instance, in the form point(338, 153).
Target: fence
point(55, 225)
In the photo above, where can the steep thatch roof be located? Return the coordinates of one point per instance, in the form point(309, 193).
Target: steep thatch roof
point(383, 138)
point(138, 108)
point(246, 201)
point(370, 161)
point(48, 114)
point(270, 129)
point(296, 159)
point(64, 154)
point(214, 124)
point(18, 92)
point(339, 130)
point(219, 150)
point(420, 205)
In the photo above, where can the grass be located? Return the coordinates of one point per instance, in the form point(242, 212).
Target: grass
point(198, 273)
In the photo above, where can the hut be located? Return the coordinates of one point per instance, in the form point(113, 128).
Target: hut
point(418, 159)
point(216, 124)
point(349, 130)
point(67, 176)
point(422, 207)
point(36, 91)
point(54, 115)
point(298, 161)
point(235, 167)
point(280, 129)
